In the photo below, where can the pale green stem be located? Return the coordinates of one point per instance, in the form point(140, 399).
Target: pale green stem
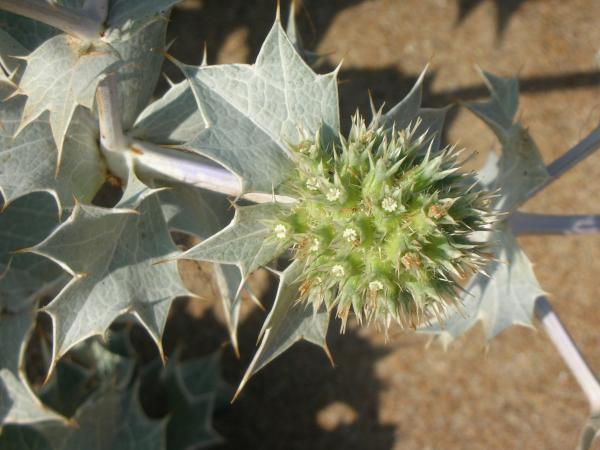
point(572, 157)
point(72, 21)
point(176, 164)
point(160, 162)
point(526, 223)
point(97, 9)
point(569, 352)
point(112, 137)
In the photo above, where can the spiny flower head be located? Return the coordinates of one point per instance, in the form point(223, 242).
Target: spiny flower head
point(383, 226)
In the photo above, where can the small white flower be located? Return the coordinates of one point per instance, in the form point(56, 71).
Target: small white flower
point(389, 204)
point(315, 245)
point(312, 184)
point(338, 271)
point(375, 286)
point(281, 231)
point(333, 194)
point(350, 235)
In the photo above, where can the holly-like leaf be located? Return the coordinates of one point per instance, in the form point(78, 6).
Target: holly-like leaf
point(19, 437)
point(287, 323)
point(112, 255)
point(116, 421)
point(140, 68)
point(10, 47)
point(24, 277)
point(504, 298)
point(126, 18)
point(68, 388)
point(18, 403)
point(135, 190)
point(29, 161)
point(190, 389)
point(291, 29)
point(408, 112)
point(90, 367)
point(195, 211)
point(28, 32)
point(244, 242)
point(519, 169)
point(253, 112)
point(172, 119)
point(62, 73)
point(203, 214)
point(500, 110)
point(191, 394)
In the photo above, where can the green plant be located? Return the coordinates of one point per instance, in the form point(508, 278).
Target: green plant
point(384, 211)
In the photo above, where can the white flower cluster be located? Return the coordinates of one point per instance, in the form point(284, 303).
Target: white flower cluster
point(338, 271)
point(333, 194)
point(312, 184)
point(389, 204)
point(350, 235)
point(375, 286)
point(281, 231)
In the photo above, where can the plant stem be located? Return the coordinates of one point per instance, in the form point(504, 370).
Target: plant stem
point(191, 169)
point(160, 162)
point(572, 157)
point(98, 9)
point(569, 352)
point(112, 137)
point(71, 21)
point(525, 223)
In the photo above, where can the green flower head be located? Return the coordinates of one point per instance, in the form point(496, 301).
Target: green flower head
point(383, 226)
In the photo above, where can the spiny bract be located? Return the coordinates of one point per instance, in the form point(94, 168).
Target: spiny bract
point(382, 225)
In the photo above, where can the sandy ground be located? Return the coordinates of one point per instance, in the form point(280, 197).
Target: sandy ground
point(514, 394)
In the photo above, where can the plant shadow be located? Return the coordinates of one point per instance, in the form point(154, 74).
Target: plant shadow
point(209, 22)
point(299, 400)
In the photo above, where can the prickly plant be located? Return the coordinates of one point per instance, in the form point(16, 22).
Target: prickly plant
point(382, 225)
point(381, 222)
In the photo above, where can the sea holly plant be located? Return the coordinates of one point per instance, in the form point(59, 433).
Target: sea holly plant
point(381, 223)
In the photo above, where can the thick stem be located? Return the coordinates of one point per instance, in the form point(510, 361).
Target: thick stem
point(113, 142)
point(98, 9)
point(71, 21)
point(525, 223)
point(112, 137)
point(569, 352)
point(573, 156)
point(187, 168)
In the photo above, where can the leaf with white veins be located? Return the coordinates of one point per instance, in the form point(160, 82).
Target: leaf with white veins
point(172, 119)
point(28, 162)
point(253, 112)
point(18, 403)
point(140, 69)
point(203, 214)
point(244, 242)
point(62, 73)
point(112, 255)
point(116, 421)
point(127, 18)
point(28, 32)
point(24, 277)
point(506, 298)
point(10, 47)
point(406, 113)
point(189, 389)
point(520, 168)
point(288, 322)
